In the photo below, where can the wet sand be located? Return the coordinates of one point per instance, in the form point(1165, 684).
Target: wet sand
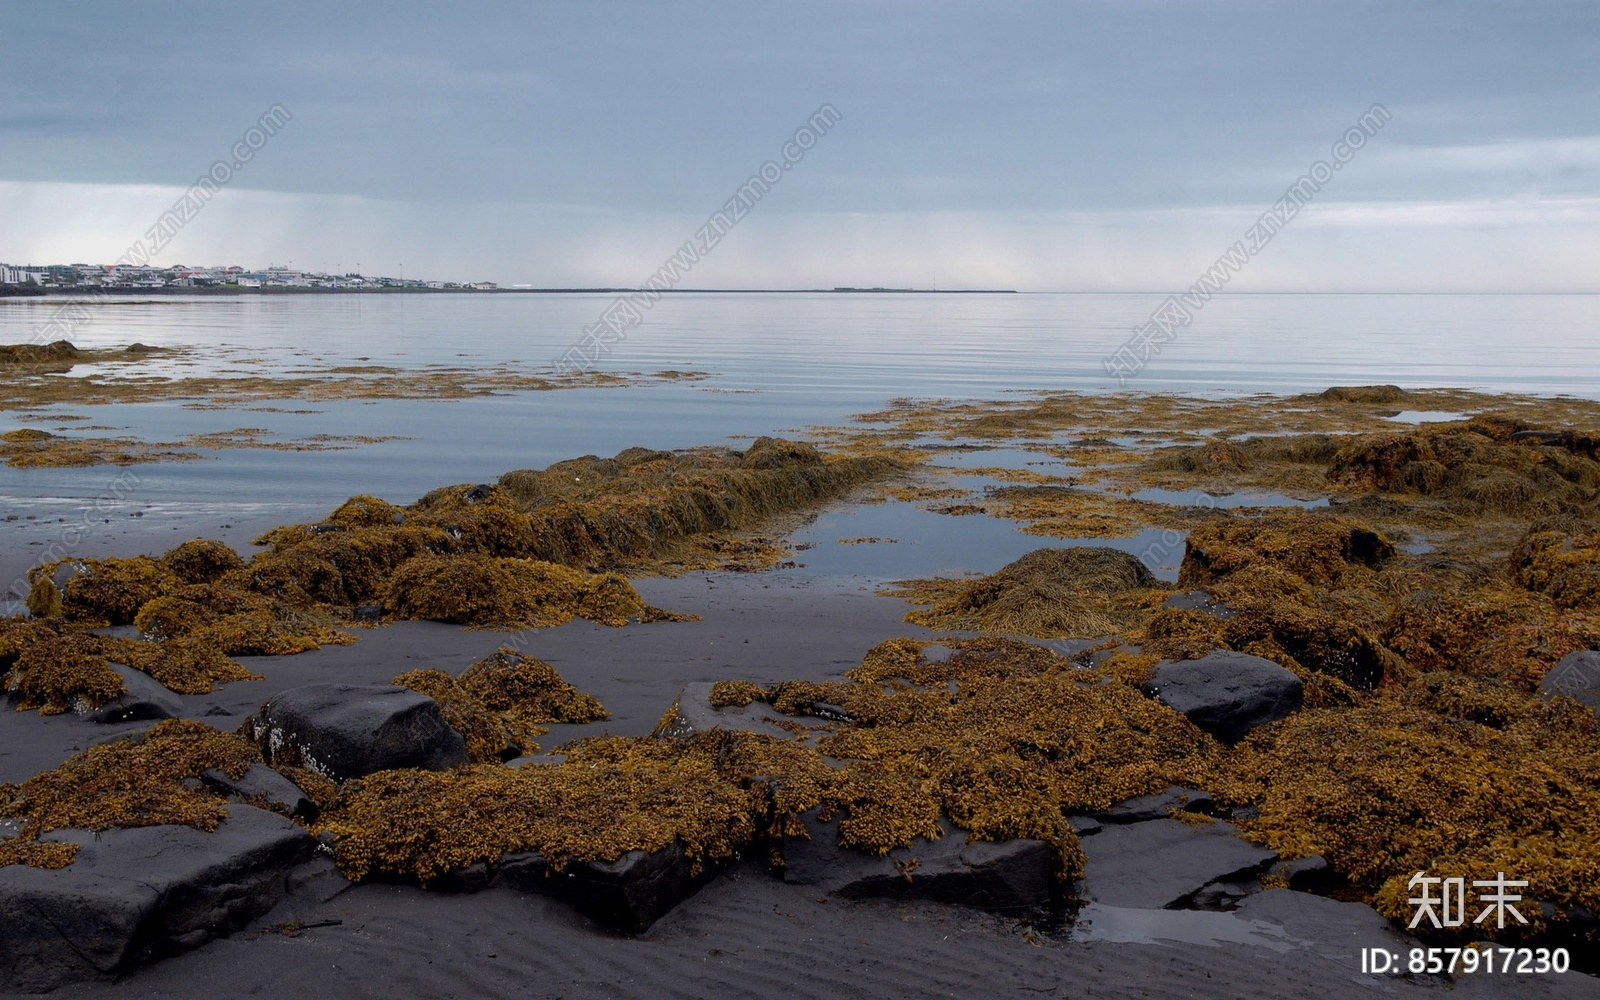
point(748, 935)
point(758, 627)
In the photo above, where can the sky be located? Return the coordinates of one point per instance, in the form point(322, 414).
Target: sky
point(1067, 146)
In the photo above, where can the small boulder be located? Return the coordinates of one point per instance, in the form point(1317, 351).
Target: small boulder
point(132, 896)
point(143, 697)
point(262, 786)
point(1226, 693)
point(344, 731)
point(1163, 863)
point(628, 894)
point(1577, 675)
point(1016, 876)
point(1306, 874)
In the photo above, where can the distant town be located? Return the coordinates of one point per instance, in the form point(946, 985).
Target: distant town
point(52, 279)
point(25, 278)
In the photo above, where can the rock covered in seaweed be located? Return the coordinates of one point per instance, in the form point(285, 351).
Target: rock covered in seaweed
point(143, 698)
point(501, 703)
point(1074, 592)
point(1294, 587)
point(1488, 463)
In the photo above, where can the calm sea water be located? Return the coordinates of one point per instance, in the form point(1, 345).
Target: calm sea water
point(776, 363)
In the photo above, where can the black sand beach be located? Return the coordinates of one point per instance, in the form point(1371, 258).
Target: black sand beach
point(746, 934)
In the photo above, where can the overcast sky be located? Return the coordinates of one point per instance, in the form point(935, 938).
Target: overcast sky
point(1052, 146)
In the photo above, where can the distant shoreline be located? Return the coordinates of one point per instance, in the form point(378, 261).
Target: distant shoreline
point(34, 292)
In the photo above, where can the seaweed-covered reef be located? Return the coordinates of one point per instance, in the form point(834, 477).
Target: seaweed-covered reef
point(1422, 606)
point(28, 447)
point(1434, 577)
point(534, 551)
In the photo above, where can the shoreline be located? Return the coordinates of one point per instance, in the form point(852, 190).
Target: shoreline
point(768, 629)
point(92, 293)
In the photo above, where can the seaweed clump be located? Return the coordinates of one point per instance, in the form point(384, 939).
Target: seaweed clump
point(1300, 588)
point(57, 666)
point(1562, 565)
point(735, 694)
point(135, 781)
point(53, 672)
point(611, 796)
point(1388, 789)
point(202, 561)
point(537, 547)
point(1489, 629)
point(667, 510)
point(52, 353)
point(1048, 593)
point(536, 551)
point(513, 593)
point(501, 703)
point(1003, 737)
point(1488, 464)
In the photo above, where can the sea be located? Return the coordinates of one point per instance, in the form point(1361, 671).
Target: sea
point(772, 363)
